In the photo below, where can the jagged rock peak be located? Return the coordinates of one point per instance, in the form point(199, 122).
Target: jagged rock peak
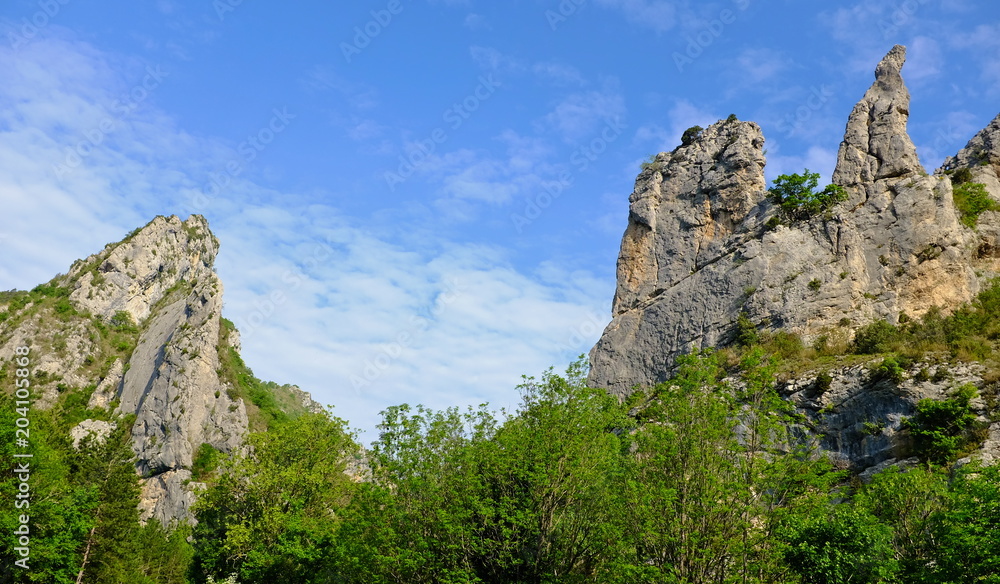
point(134, 274)
point(982, 150)
point(704, 245)
point(876, 145)
point(697, 196)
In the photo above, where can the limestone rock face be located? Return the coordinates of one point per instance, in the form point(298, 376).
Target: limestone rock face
point(876, 146)
point(98, 430)
point(134, 275)
point(700, 248)
point(160, 363)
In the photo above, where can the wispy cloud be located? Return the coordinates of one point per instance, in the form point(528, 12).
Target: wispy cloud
point(659, 15)
point(362, 313)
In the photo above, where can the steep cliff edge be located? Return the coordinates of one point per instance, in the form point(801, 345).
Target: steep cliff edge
point(137, 329)
point(705, 244)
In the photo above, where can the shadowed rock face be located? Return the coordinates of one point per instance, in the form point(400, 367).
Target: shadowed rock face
point(697, 250)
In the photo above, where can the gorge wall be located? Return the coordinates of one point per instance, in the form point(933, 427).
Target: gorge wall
point(703, 244)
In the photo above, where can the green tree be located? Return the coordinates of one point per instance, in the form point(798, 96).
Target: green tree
point(911, 503)
point(943, 429)
point(796, 195)
point(848, 546)
point(972, 200)
point(272, 514)
point(968, 537)
point(460, 497)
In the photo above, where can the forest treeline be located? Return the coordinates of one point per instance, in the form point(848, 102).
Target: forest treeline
point(700, 479)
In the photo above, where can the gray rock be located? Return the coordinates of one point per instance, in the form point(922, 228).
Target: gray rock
point(108, 388)
point(97, 430)
point(134, 274)
point(698, 250)
point(876, 146)
point(168, 497)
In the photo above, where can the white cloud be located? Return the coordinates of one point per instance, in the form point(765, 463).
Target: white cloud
point(348, 288)
point(579, 115)
point(756, 65)
point(924, 60)
point(659, 15)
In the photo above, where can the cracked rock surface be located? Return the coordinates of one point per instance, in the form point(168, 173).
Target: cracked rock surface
point(701, 247)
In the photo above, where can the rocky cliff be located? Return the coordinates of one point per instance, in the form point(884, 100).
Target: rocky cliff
point(706, 247)
point(137, 329)
point(704, 242)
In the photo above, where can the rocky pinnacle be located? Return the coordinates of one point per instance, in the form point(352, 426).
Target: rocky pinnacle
point(704, 244)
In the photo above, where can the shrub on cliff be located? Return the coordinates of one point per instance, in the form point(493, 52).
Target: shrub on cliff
point(797, 197)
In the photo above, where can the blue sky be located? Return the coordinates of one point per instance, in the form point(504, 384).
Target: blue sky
point(421, 200)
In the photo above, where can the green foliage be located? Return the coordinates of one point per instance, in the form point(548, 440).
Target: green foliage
point(961, 176)
point(874, 338)
point(910, 503)
point(848, 546)
point(122, 322)
point(968, 535)
point(796, 195)
point(732, 118)
point(942, 430)
point(823, 382)
point(262, 407)
point(272, 515)
point(971, 199)
point(83, 510)
point(889, 369)
point(746, 331)
point(205, 462)
point(815, 284)
point(690, 135)
point(784, 344)
point(651, 164)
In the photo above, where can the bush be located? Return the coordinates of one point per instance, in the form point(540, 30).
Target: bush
point(690, 135)
point(971, 199)
point(651, 164)
point(122, 322)
point(796, 196)
point(875, 338)
point(943, 430)
point(205, 462)
point(746, 331)
point(784, 344)
point(961, 176)
point(889, 369)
